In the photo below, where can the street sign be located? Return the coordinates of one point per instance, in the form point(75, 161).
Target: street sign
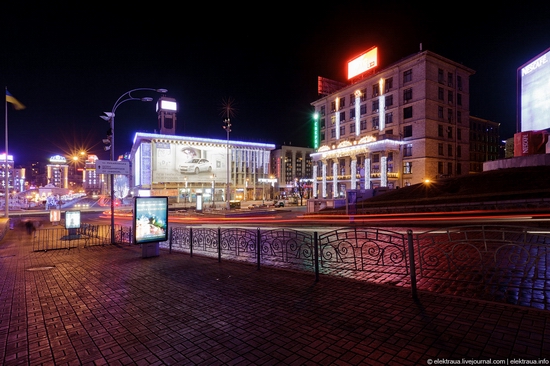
point(112, 167)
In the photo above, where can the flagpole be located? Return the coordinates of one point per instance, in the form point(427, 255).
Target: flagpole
point(6, 170)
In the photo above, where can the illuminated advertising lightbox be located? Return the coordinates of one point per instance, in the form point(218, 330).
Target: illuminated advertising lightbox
point(150, 219)
point(534, 81)
point(364, 62)
point(72, 219)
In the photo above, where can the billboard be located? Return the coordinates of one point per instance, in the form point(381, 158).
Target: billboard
point(534, 93)
point(72, 219)
point(364, 62)
point(150, 219)
point(186, 163)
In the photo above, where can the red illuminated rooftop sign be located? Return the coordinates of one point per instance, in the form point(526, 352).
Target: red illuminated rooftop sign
point(364, 62)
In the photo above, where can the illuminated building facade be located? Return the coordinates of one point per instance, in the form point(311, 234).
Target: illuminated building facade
point(289, 165)
point(394, 127)
point(181, 167)
point(57, 172)
point(92, 182)
point(6, 168)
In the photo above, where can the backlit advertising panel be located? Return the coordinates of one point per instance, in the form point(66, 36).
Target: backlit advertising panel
point(150, 219)
point(534, 79)
point(72, 219)
point(364, 62)
point(186, 163)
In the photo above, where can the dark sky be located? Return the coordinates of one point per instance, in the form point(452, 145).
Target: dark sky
point(70, 63)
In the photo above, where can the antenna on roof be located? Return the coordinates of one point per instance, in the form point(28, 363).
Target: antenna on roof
point(420, 46)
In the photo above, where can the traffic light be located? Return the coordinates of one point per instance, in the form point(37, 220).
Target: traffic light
point(107, 141)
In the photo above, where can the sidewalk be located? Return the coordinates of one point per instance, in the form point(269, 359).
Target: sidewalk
point(109, 306)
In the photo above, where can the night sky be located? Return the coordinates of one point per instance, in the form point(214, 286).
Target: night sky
point(69, 64)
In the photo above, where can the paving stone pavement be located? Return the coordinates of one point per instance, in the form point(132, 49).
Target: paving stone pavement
point(108, 305)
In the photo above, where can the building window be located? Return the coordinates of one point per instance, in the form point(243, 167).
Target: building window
point(458, 116)
point(322, 123)
point(440, 76)
point(375, 90)
point(459, 134)
point(363, 125)
point(439, 130)
point(342, 116)
point(440, 168)
point(332, 119)
point(408, 131)
point(458, 152)
point(407, 76)
point(441, 94)
point(352, 128)
point(389, 84)
point(375, 105)
point(449, 150)
point(363, 95)
point(363, 109)
point(352, 99)
point(458, 98)
point(322, 110)
point(333, 133)
point(407, 167)
point(440, 112)
point(375, 123)
point(450, 79)
point(459, 82)
point(342, 102)
point(389, 100)
point(440, 149)
point(458, 168)
point(450, 97)
point(342, 130)
point(333, 106)
point(323, 136)
point(389, 117)
point(352, 113)
point(407, 94)
point(407, 112)
point(449, 132)
point(450, 168)
point(450, 115)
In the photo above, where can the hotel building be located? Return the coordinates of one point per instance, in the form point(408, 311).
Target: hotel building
point(393, 127)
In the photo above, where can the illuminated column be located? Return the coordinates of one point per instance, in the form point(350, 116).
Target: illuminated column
point(384, 171)
point(353, 172)
point(314, 183)
point(324, 183)
point(367, 173)
point(357, 112)
point(335, 178)
point(382, 107)
point(337, 119)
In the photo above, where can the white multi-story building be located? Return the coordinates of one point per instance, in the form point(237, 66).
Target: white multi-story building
point(180, 167)
point(394, 127)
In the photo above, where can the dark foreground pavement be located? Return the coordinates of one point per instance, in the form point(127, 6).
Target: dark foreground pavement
point(109, 306)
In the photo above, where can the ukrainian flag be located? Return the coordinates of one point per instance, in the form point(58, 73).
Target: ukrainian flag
point(16, 104)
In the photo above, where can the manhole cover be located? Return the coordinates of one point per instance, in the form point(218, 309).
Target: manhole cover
point(42, 268)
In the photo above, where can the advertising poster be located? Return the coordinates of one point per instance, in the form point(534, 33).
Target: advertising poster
point(181, 163)
point(72, 219)
point(150, 219)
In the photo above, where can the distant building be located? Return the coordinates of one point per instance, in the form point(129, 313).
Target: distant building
point(484, 143)
point(92, 183)
point(292, 167)
point(394, 127)
point(57, 172)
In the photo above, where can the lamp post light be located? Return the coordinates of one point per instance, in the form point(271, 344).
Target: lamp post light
point(110, 117)
point(227, 129)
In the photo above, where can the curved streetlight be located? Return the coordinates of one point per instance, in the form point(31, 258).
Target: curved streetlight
point(110, 117)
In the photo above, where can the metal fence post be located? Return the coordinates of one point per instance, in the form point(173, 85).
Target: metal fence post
point(258, 245)
point(191, 241)
point(316, 254)
point(170, 240)
point(412, 265)
point(219, 244)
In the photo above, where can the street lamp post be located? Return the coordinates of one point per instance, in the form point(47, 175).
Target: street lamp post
point(110, 117)
point(213, 189)
point(227, 128)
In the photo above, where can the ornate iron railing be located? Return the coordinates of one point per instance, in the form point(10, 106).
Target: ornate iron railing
point(88, 235)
